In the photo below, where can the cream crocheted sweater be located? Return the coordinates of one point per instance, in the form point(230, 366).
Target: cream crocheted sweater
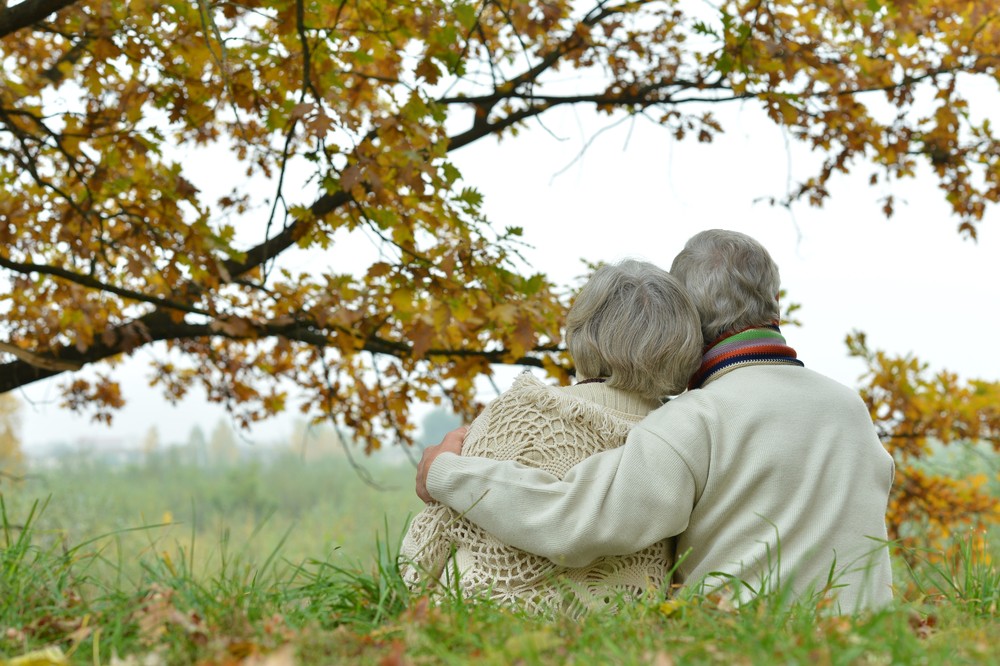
point(552, 429)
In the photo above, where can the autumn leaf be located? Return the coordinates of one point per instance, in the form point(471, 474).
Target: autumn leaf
point(913, 408)
point(422, 335)
point(236, 327)
point(671, 607)
point(524, 336)
point(157, 613)
point(45, 657)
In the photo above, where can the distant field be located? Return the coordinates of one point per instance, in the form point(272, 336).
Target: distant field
point(321, 508)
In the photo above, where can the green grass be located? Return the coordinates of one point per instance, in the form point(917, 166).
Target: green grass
point(297, 561)
point(330, 508)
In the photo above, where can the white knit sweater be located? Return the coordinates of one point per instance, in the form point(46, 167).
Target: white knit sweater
point(770, 474)
point(551, 429)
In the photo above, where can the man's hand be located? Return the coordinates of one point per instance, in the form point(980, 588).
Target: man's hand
point(452, 443)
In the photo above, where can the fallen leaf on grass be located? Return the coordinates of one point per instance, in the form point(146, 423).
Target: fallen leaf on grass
point(923, 625)
point(242, 650)
point(397, 657)
point(671, 607)
point(276, 626)
point(148, 659)
point(530, 643)
point(15, 635)
point(721, 602)
point(283, 656)
point(158, 612)
point(69, 627)
point(661, 658)
point(77, 635)
point(837, 625)
point(421, 612)
point(46, 657)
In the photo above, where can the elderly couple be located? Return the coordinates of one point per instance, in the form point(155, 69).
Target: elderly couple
point(761, 477)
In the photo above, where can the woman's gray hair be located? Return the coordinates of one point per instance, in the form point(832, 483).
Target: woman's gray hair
point(731, 278)
point(635, 325)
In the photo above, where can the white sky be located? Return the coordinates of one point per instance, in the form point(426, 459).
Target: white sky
point(911, 282)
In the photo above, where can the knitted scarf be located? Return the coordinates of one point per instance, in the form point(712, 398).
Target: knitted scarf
point(753, 346)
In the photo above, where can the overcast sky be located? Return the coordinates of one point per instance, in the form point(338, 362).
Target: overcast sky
point(910, 282)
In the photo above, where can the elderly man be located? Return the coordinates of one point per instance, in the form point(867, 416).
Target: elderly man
point(770, 475)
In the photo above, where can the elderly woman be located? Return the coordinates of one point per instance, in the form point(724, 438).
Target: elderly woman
point(635, 337)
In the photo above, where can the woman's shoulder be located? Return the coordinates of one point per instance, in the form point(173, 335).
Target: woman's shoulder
point(532, 398)
point(543, 426)
point(528, 392)
point(609, 399)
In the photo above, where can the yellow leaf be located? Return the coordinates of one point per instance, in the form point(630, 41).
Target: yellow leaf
point(402, 300)
point(503, 313)
point(531, 643)
point(671, 607)
point(47, 657)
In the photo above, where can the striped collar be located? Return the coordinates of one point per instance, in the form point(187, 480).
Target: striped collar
point(754, 346)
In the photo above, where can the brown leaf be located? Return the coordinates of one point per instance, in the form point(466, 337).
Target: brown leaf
point(157, 613)
point(302, 110)
point(923, 625)
point(659, 658)
point(350, 177)
point(283, 656)
point(422, 336)
point(184, 188)
point(524, 335)
point(237, 327)
point(154, 658)
point(396, 656)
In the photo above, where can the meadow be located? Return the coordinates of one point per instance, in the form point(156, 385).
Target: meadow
point(292, 561)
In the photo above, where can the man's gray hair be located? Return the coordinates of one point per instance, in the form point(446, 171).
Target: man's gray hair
point(635, 325)
point(731, 278)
